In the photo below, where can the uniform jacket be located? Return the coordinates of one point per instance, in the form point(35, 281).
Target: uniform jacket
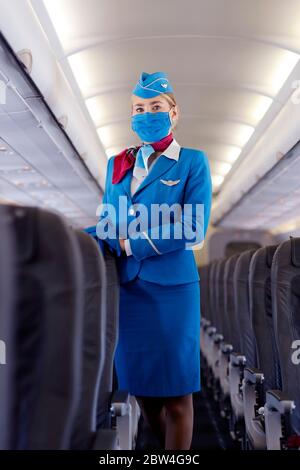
point(184, 180)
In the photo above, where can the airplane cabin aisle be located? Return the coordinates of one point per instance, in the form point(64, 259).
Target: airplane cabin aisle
point(149, 217)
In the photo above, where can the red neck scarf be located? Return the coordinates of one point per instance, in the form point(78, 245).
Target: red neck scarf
point(125, 159)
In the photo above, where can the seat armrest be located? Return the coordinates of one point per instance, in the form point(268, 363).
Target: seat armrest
point(121, 411)
point(237, 359)
point(253, 401)
point(277, 410)
point(204, 323)
point(211, 330)
point(226, 348)
point(237, 363)
point(217, 338)
point(253, 376)
point(120, 403)
point(277, 400)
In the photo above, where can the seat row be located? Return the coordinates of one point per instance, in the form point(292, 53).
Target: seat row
point(250, 343)
point(59, 299)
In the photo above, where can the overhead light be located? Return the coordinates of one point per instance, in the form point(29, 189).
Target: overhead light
point(217, 180)
point(234, 153)
point(59, 14)
point(97, 113)
point(289, 226)
point(80, 71)
point(222, 168)
point(4, 200)
point(3, 149)
point(262, 107)
point(105, 134)
point(245, 133)
point(285, 67)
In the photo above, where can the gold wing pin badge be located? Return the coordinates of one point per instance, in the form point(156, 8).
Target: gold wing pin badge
point(170, 182)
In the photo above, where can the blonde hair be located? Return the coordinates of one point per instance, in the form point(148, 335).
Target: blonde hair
point(170, 98)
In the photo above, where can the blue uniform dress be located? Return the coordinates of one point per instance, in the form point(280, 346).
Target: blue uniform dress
point(158, 349)
point(158, 352)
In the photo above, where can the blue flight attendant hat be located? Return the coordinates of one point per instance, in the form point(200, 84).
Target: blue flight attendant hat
point(152, 84)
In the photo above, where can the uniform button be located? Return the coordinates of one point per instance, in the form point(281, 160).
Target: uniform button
point(131, 211)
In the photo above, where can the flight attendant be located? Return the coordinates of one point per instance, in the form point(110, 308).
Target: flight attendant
point(158, 352)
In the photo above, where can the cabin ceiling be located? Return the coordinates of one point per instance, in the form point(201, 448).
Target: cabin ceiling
point(226, 59)
point(232, 64)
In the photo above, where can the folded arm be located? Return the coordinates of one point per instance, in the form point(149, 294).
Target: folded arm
point(187, 230)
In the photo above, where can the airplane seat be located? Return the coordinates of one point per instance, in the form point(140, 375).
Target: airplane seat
point(222, 324)
point(207, 327)
point(211, 329)
point(212, 296)
point(125, 412)
point(7, 297)
point(47, 337)
point(116, 409)
point(112, 324)
point(230, 336)
point(231, 333)
point(204, 294)
point(205, 315)
point(242, 308)
point(93, 348)
point(267, 375)
point(246, 354)
point(282, 408)
point(218, 337)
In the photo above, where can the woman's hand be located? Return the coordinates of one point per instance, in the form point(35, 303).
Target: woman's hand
point(122, 244)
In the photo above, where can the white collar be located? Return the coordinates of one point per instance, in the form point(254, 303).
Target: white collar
point(172, 151)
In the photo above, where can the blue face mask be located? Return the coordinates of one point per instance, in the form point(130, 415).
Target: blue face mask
point(151, 127)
